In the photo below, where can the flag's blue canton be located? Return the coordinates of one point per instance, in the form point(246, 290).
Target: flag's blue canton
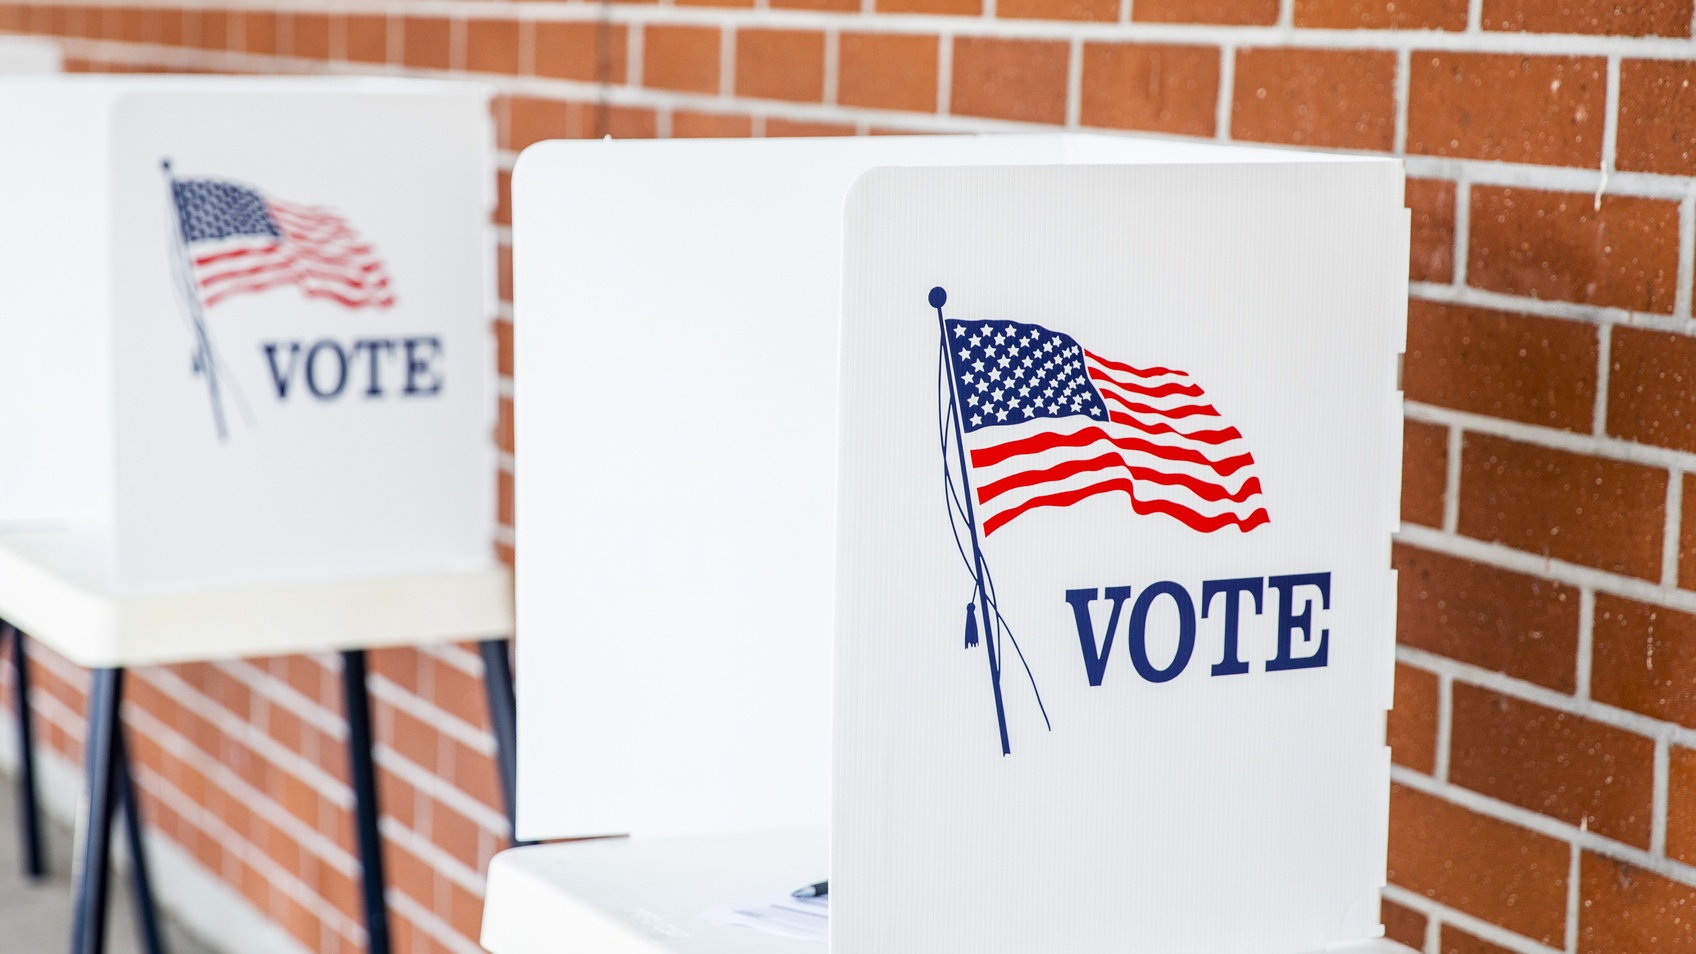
point(215, 210)
point(1007, 372)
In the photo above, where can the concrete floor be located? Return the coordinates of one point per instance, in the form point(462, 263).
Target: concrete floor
point(37, 917)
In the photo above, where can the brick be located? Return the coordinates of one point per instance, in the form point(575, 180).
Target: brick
point(1381, 14)
point(692, 125)
point(503, 348)
point(309, 35)
point(503, 426)
point(503, 272)
point(1485, 867)
point(214, 30)
point(426, 43)
point(838, 6)
point(780, 64)
point(1657, 117)
point(491, 46)
point(1329, 98)
point(1403, 925)
point(1425, 472)
point(780, 128)
point(1431, 252)
point(1452, 940)
point(503, 498)
point(1652, 387)
point(1625, 908)
point(1553, 763)
point(964, 8)
point(1603, 513)
point(680, 58)
point(1411, 730)
point(887, 71)
point(503, 203)
point(259, 32)
point(593, 52)
point(1155, 87)
point(1644, 659)
point(1100, 11)
point(1558, 245)
point(1234, 12)
point(1601, 17)
point(1496, 619)
point(366, 39)
point(533, 120)
point(1503, 106)
point(1519, 367)
point(624, 122)
point(1681, 808)
point(1010, 79)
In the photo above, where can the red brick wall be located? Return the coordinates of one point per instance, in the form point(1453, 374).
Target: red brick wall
point(1545, 729)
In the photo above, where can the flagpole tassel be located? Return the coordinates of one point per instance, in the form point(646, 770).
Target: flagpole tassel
point(971, 625)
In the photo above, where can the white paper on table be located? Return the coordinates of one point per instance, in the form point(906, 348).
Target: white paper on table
point(804, 918)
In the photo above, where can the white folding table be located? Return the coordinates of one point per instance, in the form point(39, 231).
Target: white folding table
point(647, 895)
point(57, 587)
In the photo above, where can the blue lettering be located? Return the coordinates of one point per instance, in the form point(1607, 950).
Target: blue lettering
point(1290, 621)
point(1230, 662)
point(1136, 637)
point(1095, 662)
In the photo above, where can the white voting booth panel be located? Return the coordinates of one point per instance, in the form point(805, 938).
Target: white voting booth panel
point(24, 54)
point(677, 305)
point(1119, 467)
point(244, 326)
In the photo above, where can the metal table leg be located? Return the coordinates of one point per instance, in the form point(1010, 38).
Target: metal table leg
point(29, 813)
point(503, 719)
point(365, 805)
point(141, 884)
point(93, 860)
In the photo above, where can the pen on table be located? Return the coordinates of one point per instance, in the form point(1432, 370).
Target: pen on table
point(812, 891)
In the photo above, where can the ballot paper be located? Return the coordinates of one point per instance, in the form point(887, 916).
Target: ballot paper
point(804, 918)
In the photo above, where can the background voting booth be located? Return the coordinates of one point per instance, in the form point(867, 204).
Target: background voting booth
point(22, 54)
point(1092, 490)
point(259, 390)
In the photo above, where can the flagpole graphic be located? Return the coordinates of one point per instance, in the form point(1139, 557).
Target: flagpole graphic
point(204, 361)
point(982, 607)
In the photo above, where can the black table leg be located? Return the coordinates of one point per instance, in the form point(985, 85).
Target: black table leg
point(365, 805)
point(29, 813)
point(503, 720)
point(93, 863)
point(141, 884)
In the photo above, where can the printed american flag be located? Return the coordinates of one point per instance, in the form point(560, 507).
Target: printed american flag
point(1048, 423)
point(238, 240)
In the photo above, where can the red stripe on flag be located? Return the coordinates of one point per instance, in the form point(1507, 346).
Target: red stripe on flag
point(1189, 518)
point(1037, 443)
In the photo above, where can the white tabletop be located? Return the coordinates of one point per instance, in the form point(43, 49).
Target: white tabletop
point(55, 586)
point(647, 895)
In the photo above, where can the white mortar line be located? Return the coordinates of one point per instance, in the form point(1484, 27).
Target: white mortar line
point(832, 65)
point(1227, 89)
point(727, 63)
point(1587, 444)
point(1451, 478)
point(1463, 230)
point(526, 47)
point(1544, 825)
point(464, 660)
point(1610, 128)
point(1686, 250)
point(1404, 68)
point(1439, 913)
point(1604, 372)
point(1560, 571)
point(633, 55)
point(437, 718)
point(1125, 10)
point(1496, 41)
point(944, 73)
point(1474, 16)
point(440, 861)
point(1671, 535)
point(440, 789)
point(1573, 900)
point(1585, 650)
point(1502, 684)
point(1433, 933)
point(1074, 82)
point(1564, 310)
point(1445, 724)
point(1658, 816)
point(431, 923)
point(280, 693)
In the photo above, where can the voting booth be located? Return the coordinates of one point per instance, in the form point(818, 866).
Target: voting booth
point(1010, 515)
point(249, 381)
point(28, 54)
